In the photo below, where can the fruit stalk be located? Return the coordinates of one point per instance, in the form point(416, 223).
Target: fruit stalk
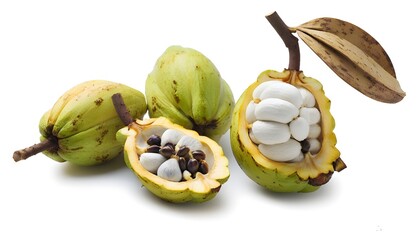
point(35, 149)
point(289, 40)
point(122, 109)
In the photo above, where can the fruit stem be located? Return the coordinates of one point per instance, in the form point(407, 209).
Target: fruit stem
point(122, 109)
point(289, 40)
point(36, 148)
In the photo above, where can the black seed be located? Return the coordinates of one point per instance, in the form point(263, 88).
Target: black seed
point(171, 145)
point(187, 156)
point(204, 167)
point(183, 151)
point(199, 155)
point(192, 166)
point(167, 151)
point(182, 163)
point(154, 140)
point(153, 149)
point(305, 146)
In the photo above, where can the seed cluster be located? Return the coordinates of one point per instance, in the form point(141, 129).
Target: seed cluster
point(284, 121)
point(189, 162)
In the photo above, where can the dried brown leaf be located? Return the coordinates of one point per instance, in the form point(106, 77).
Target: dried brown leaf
point(355, 57)
point(355, 35)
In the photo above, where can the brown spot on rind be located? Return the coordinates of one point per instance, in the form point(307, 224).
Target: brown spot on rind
point(75, 149)
point(155, 105)
point(74, 121)
point(175, 90)
point(102, 158)
point(99, 101)
point(100, 139)
point(201, 129)
point(241, 146)
point(176, 98)
point(104, 132)
point(49, 129)
point(322, 179)
point(215, 190)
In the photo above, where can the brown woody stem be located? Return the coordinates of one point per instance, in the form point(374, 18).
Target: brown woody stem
point(37, 148)
point(122, 109)
point(289, 40)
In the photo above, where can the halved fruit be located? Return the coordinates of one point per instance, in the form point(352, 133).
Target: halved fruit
point(199, 188)
point(305, 174)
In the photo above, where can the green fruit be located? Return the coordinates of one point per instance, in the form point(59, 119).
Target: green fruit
point(305, 174)
point(81, 126)
point(186, 87)
point(203, 186)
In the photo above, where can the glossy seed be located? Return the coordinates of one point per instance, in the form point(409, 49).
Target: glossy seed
point(154, 140)
point(167, 151)
point(312, 115)
point(171, 136)
point(153, 149)
point(269, 132)
point(199, 155)
point(204, 167)
point(315, 145)
point(170, 144)
point(192, 166)
point(250, 112)
point(299, 128)
point(191, 142)
point(305, 146)
point(183, 150)
point(182, 163)
point(282, 152)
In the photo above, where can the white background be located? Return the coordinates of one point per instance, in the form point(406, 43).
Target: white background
point(48, 47)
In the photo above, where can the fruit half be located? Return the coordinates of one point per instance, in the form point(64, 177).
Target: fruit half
point(199, 189)
point(305, 175)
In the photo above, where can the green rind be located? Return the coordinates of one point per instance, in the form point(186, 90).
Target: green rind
point(187, 88)
point(89, 108)
point(93, 146)
point(86, 126)
point(223, 116)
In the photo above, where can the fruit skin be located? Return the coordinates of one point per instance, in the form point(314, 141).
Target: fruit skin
point(200, 189)
point(84, 122)
point(284, 177)
point(187, 88)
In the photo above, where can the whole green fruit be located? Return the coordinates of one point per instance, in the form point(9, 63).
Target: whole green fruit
point(80, 128)
point(187, 88)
